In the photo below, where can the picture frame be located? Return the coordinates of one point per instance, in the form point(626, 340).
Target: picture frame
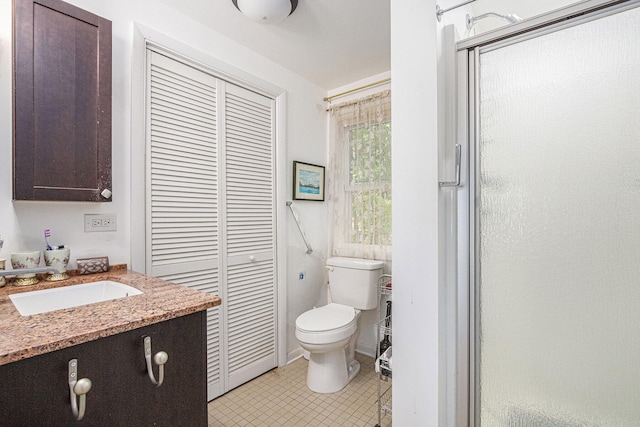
point(308, 182)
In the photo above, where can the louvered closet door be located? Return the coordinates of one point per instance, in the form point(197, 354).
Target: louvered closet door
point(182, 188)
point(250, 234)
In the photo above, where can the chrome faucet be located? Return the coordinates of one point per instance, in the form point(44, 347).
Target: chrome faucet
point(38, 270)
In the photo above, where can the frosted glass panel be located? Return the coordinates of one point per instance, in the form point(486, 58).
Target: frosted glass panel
point(559, 230)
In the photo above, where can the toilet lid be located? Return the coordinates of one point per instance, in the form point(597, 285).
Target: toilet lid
point(326, 318)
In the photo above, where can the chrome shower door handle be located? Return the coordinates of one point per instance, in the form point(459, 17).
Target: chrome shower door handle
point(78, 387)
point(455, 183)
point(160, 359)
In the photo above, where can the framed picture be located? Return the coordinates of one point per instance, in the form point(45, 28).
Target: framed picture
point(308, 182)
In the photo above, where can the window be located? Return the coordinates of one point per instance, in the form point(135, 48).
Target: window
point(360, 178)
point(369, 188)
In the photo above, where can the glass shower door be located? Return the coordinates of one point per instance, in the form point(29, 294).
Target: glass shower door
point(557, 231)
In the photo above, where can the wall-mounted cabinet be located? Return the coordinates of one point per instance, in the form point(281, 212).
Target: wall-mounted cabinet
point(62, 103)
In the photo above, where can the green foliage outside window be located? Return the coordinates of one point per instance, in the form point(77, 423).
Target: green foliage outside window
point(370, 184)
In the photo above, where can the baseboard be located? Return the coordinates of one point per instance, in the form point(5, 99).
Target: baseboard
point(295, 355)
point(366, 350)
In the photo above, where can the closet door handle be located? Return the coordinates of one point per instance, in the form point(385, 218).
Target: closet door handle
point(160, 359)
point(252, 258)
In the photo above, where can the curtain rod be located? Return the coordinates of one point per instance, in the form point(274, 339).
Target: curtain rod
point(329, 98)
point(440, 11)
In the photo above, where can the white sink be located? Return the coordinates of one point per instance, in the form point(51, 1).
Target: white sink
point(36, 302)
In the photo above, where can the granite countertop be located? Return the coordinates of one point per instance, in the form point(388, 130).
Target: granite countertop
point(22, 337)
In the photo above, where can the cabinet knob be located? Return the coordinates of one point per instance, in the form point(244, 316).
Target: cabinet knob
point(252, 258)
point(106, 193)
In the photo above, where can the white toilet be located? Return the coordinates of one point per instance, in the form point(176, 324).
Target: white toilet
point(329, 333)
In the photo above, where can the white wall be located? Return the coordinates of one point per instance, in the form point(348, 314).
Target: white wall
point(23, 222)
point(415, 213)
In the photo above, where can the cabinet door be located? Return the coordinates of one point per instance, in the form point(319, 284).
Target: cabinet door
point(62, 102)
point(181, 400)
point(35, 391)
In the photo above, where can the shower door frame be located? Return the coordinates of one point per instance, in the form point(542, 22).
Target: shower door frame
point(467, 136)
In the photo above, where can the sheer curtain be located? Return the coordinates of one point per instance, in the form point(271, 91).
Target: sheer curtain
point(359, 178)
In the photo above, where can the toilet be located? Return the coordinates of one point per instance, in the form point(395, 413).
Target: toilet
point(329, 333)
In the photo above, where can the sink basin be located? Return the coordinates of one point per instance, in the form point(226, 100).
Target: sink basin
point(36, 302)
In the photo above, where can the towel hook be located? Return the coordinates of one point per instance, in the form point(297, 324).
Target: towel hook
point(78, 387)
point(160, 359)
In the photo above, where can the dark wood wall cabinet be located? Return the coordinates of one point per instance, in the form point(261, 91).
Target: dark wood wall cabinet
point(35, 391)
point(62, 103)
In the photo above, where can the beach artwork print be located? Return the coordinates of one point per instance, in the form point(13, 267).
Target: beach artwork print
point(308, 181)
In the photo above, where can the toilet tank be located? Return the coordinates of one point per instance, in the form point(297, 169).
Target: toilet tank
point(353, 281)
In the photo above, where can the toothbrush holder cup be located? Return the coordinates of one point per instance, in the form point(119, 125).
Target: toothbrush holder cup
point(58, 259)
point(26, 259)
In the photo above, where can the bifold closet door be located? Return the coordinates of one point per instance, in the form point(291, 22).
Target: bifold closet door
point(183, 242)
point(211, 223)
point(249, 234)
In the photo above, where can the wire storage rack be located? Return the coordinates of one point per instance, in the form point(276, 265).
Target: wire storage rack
point(383, 355)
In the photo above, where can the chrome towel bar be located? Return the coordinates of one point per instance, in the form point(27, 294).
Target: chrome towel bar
point(304, 236)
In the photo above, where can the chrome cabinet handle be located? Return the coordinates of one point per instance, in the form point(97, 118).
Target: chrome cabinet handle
point(455, 183)
point(160, 359)
point(78, 387)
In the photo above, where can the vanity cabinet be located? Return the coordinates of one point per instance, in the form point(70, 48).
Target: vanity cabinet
point(35, 391)
point(62, 103)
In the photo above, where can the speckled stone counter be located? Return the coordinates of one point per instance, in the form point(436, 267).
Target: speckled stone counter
point(26, 336)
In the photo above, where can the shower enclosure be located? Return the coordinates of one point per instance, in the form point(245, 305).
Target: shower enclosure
point(549, 235)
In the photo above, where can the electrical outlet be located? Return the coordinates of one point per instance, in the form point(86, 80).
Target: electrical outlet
point(99, 222)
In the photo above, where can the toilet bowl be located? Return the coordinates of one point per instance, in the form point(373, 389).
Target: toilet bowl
point(326, 332)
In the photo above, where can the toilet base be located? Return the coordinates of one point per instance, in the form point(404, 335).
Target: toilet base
point(328, 372)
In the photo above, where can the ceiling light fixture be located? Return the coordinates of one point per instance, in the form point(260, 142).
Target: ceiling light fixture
point(266, 11)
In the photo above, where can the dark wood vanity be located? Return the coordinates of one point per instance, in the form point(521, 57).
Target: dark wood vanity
point(107, 341)
point(35, 392)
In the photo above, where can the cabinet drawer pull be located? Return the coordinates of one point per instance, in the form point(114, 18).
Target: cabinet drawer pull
point(78, 387)
point(160, 359)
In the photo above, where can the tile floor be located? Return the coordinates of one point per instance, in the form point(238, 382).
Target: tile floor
point(281, 398)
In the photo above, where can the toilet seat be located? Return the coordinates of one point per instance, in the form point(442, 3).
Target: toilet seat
point(327, 324)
